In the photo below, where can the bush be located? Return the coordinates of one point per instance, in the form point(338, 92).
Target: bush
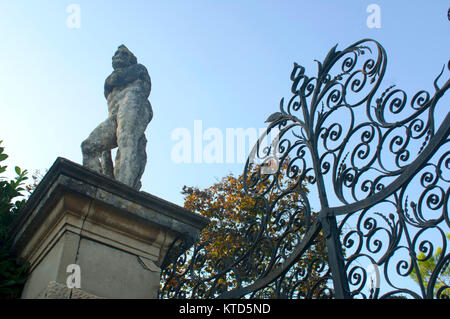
point(12, 274)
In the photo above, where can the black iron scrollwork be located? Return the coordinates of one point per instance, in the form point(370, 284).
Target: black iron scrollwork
point(377, 170)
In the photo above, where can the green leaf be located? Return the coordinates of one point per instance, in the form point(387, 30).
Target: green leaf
point(8, 283)
point(12, 275)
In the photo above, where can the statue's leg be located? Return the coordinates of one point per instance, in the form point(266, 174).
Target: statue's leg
point(107, 164)
point(132, 120)
point(116, 171)
point(142, 159)
point(102, 138)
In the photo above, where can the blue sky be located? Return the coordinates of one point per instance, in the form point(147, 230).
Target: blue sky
point(226, 63)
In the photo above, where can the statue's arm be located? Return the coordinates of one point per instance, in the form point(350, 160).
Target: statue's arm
point(125, 76)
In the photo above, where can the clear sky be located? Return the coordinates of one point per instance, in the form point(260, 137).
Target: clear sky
point(226, 63)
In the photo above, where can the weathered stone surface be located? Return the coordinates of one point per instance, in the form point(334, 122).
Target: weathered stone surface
point(127, 90)
point(119, 237)
point(56, 290)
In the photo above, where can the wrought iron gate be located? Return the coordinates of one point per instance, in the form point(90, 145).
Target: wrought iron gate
point(367, 178)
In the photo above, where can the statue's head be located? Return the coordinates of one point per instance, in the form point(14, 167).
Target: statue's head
point(123, 58)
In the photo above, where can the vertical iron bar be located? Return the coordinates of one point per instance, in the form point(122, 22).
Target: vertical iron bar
point(329, 227)
point(336, 258)
point(412, 253)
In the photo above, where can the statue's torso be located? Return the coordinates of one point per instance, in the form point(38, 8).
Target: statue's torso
point(133, 94)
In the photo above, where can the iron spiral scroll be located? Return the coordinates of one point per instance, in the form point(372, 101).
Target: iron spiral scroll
point(369, 170)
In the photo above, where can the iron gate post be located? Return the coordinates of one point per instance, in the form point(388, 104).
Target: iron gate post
point(335, 257)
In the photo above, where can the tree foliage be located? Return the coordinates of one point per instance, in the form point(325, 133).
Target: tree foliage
point(236, 221)
point(427, 266)
point(12, 274)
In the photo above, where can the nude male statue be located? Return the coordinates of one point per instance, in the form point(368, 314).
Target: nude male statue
point(126, 90)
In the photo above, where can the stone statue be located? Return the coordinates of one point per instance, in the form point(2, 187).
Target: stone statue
point(126, 90)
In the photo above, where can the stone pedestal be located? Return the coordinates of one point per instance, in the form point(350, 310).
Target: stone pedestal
point(119, 237)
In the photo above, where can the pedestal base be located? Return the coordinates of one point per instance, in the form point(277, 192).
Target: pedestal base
point(116, 236)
